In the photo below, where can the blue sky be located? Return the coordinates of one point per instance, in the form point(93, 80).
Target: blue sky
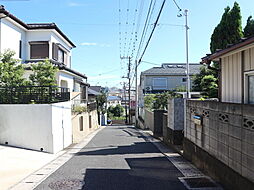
point(93, 25)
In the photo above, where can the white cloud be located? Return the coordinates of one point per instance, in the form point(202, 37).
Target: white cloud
point(88, 44)
point(95, 44)
point(75, 4)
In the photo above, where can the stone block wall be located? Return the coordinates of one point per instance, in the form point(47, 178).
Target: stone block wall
point(226, 133)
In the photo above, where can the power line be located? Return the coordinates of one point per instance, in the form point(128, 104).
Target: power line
point(155, 25)
point(144, 29)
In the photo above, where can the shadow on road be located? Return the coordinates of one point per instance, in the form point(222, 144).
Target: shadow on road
point(144, 173)
point(136, 148)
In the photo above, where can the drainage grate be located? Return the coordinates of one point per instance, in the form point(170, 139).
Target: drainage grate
point(66, 184)
point(198, 182)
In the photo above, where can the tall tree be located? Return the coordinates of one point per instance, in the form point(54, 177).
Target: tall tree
point(229, 30)
point(249, 28)
point(11, 72)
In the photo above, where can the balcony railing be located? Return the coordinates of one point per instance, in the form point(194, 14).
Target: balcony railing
point(33, 94)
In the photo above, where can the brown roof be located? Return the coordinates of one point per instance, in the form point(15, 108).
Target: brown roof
point(36, 26)
point(230, 48)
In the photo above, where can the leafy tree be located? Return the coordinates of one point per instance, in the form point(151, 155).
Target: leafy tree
point(11, 72)
point(198, 78)
point(101, 102)
point(116, 111)
point(209, 86)
point(44, 74)
point(229, 30)
point(149, 100)
point(249, 28)
point(161, 100)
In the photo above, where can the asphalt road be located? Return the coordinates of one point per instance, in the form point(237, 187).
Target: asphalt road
point(117, 158)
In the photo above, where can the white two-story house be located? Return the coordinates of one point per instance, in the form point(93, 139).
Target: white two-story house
point(37, 42)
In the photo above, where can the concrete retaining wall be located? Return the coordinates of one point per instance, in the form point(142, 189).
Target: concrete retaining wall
point(226, 133)
point(36, 126)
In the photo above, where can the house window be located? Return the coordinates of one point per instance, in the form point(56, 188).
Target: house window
point(184, 79)
point(159, 83)
point(251, 89)
point(39, 50)
point(61, 55)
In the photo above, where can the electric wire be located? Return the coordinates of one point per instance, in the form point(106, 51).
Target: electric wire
point(154, 27)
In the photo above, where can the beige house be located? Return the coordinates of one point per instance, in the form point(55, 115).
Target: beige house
point(236, 72)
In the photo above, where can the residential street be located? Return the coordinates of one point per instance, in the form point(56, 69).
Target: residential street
point(117, 158)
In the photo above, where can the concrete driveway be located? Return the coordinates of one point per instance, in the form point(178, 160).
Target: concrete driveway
point(17, 163)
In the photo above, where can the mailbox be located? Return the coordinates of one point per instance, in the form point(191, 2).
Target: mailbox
point(197, 119)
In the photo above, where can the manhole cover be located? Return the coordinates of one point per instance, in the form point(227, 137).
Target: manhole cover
point(198, 182)
point(66, 184)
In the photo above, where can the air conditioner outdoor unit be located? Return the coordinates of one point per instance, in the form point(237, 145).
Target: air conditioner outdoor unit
point(149, 88)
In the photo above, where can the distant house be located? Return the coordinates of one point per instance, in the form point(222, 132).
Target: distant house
point(113, 100)
point(167, 77)
point(37, 42)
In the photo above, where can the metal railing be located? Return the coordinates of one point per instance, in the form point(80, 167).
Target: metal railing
point(33, 94)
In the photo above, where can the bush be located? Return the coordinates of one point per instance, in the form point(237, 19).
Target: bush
point(115, 111)
point(79, 109)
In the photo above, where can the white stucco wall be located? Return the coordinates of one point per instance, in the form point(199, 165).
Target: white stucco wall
point(62, 75)
point(61, 125)
point(36, 126)
point(11, 34)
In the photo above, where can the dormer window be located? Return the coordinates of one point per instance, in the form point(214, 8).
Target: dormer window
point(39, 50)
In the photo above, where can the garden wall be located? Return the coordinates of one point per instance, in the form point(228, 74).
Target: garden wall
point(39, 127)
point(83, 124)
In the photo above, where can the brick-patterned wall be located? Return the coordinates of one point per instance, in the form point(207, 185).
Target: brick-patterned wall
point(227, 133)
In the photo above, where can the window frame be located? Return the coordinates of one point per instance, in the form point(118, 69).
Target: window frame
point(32, 43)
point(160, 87)
point(246, 86)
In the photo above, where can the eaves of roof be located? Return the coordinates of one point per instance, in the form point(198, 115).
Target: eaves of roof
point(210, 57)
point(36, 26)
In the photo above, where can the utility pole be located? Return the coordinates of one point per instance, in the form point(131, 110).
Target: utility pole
point(136, 93)
point(129, 78)
point(124, 92)
point(187, 54)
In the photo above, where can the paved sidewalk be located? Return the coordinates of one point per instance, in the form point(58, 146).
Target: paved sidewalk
point(17, 163)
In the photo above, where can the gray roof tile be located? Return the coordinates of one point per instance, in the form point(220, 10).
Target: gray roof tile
point(173, 69)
